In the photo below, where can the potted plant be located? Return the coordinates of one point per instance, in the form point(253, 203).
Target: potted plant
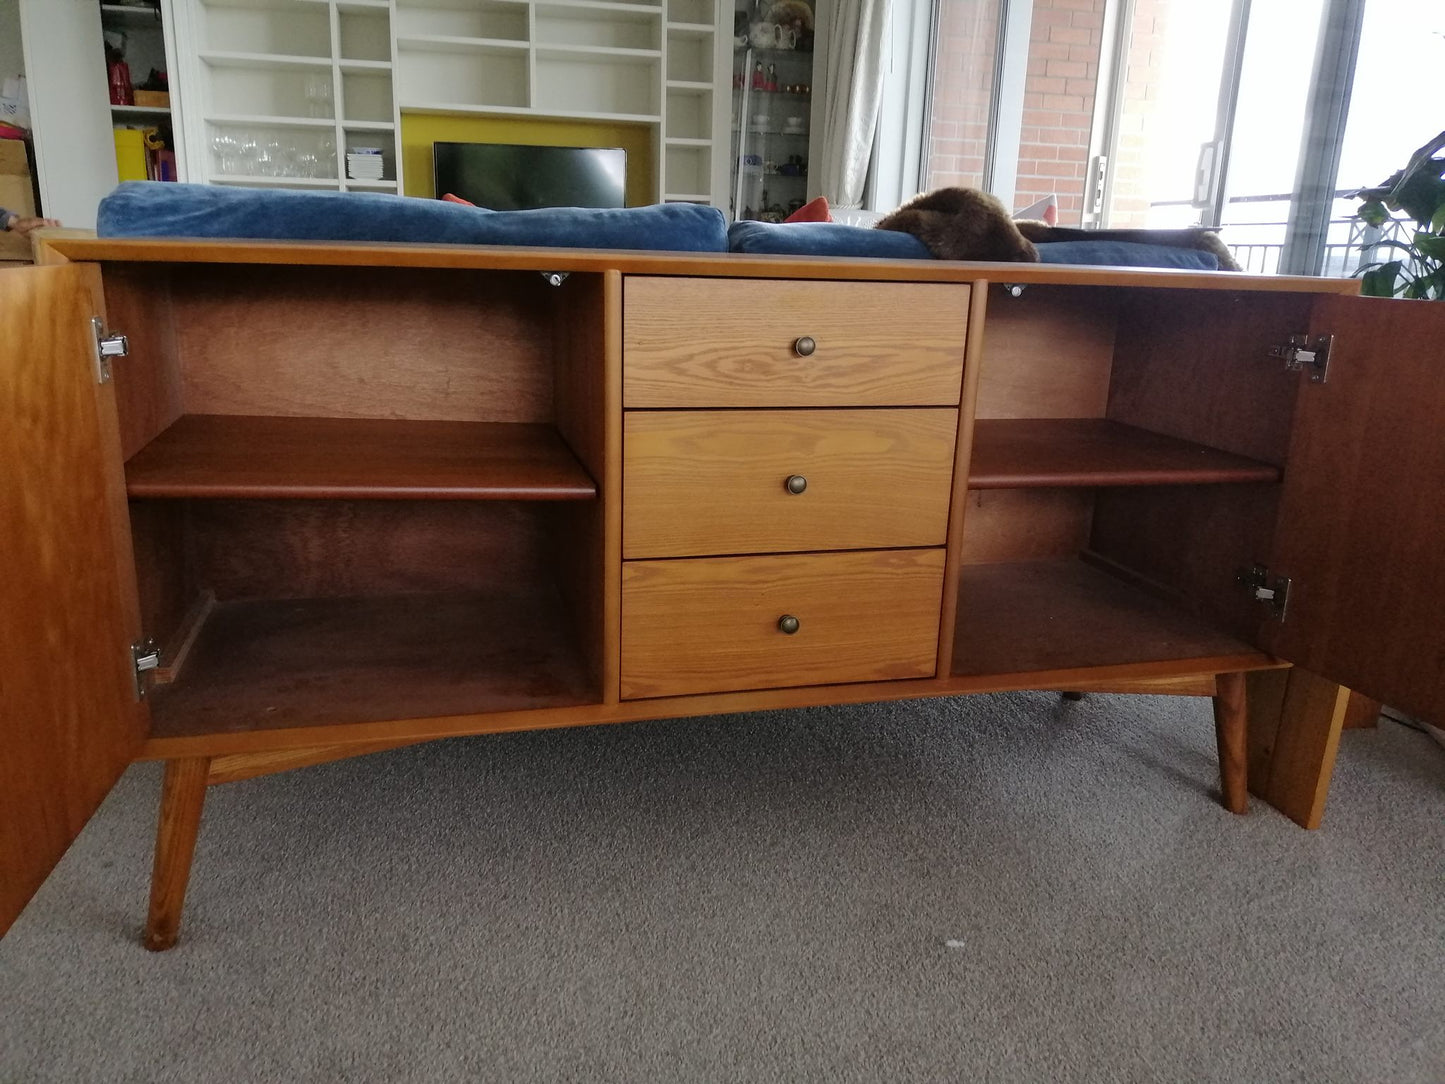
point(1419, 190)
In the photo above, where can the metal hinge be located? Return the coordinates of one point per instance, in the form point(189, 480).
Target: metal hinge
point(1265, 587)
point(1302, 352)
point(107, 347)
point(145, 656)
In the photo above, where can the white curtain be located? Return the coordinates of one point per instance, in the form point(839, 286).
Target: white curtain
point(856, 44)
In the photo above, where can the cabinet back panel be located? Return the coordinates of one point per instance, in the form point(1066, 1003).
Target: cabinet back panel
point(1195, 365)
point(337, 549)
point(364, 343)
point(1025, 524)
point(163, 571)
point(1192, 540)
point(1048, 353)
point(148, 381)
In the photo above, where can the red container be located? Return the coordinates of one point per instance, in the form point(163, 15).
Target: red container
point(120, 88)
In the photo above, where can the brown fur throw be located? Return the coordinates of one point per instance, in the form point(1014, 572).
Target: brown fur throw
point(966, 224)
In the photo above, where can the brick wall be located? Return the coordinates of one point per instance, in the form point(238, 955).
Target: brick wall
point(962, 83)
point(1063, 70)
point(1130, 204)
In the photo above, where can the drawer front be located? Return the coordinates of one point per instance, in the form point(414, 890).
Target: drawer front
point(705, 482)
point(713, 624)
point(736, 342)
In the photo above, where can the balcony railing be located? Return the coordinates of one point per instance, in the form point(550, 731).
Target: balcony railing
point(1349, 245)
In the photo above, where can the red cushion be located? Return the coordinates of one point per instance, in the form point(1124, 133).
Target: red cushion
point(812, 211)
point(449, 198)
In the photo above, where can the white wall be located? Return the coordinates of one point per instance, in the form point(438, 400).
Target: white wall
point(12, 57)
point(69, 107)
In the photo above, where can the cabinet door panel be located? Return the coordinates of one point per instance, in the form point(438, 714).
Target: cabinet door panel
point(1362, 517)
point(69, 718)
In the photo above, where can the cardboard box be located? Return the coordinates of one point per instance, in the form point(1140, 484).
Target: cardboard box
point(16, 195)
point(15, 249)
point(153, 99)
point(16, 191)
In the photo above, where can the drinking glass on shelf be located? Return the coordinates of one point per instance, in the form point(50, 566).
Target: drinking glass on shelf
point(225, 150)
point(326, 156)
point(278, 159)
point(317, 90)
point(248, 154)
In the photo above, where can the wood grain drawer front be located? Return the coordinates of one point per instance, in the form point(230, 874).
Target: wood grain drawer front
point(708, 482)
point(695, 342)
point(712, 625)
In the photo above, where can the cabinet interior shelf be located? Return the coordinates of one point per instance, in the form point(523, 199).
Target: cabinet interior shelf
point(274, 182)
point(277, 663)
point(131, 15)
point(1010, 453)
point(1034, 616)
point(262, 120)
point(226, 456)
point(273, 61)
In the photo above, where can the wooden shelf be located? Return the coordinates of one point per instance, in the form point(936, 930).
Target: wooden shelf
point(1026, 453)
point(258, 120)
point(1064, 615)
point(527, 111)
point(271, 61)
point(123, 111)
point(441, 43)
point(137, 17)
point(273, 664)
point(220, 456)
point(275, 182)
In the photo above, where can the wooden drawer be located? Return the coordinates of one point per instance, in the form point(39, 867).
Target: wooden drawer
point(712, 624)
point(701, 482)
point(732, 342)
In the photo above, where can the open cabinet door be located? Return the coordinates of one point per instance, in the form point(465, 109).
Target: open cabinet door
point(70, 719)
point(1362, 518)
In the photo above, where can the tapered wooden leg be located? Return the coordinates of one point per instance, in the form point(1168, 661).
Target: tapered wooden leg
point(1231, 730)
point(183, 794)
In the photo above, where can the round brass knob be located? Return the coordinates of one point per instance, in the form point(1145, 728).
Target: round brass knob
point(796, 483)
point(788, 624)
point(805, 346)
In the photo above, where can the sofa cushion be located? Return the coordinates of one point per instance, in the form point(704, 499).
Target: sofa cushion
point(1127, 254)
point(824, 239)
point(834, 239)
point(153, 209)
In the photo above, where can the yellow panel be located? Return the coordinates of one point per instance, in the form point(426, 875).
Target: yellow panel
point(420, 130)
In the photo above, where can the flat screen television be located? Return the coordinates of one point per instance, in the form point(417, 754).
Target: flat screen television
point(508, 177)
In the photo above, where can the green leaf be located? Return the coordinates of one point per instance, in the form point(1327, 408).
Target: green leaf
point(1373, 213)
point(1427, 244)
point(1437, 220)
point(1380, 280)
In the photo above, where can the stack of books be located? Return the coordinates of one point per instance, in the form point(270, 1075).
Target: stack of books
point(364, 163)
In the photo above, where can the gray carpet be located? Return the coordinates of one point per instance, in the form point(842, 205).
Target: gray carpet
point(1003, 888)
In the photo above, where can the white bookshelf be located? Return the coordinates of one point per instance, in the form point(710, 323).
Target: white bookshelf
point(280, 89)
point(148, 46)
point(259, 71)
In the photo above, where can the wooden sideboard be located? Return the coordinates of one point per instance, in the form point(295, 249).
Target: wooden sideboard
point(334, 499)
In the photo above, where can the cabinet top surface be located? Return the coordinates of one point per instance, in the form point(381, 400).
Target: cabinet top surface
point(726, 265)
